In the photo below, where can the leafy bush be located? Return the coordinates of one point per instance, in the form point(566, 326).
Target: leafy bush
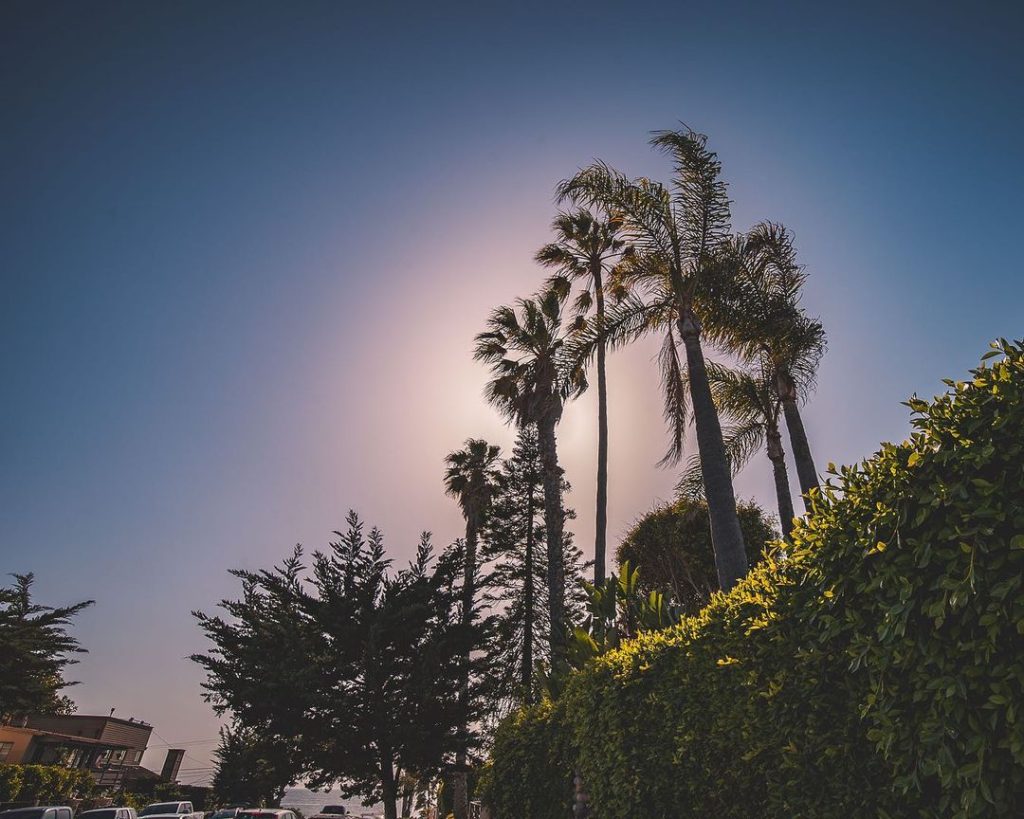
point(42, 783)
point(671, 547)
point(530, 772)
point(10, 782)
point(875, 669)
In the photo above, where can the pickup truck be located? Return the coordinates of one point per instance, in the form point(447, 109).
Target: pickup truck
point(170, 810)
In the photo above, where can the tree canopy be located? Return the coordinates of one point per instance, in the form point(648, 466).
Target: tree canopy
point(671, 549)
point(35, 651)
point(352, 667)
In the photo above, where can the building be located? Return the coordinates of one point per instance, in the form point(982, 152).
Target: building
point(107, 747)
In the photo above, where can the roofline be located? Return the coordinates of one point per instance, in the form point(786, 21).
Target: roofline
point(41, 732)
point(121, 720)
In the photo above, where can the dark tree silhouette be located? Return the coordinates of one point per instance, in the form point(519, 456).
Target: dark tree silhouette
point(530, 382)
point(585, 252)
point(677, 233)
point(35, 651)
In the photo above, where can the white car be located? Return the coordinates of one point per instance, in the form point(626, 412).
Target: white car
point(266, 813)
point(109, 813)
point(170, 810)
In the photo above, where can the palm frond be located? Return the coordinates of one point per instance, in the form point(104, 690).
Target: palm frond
point(676, 405)
point(741, 441)
point(700, 202)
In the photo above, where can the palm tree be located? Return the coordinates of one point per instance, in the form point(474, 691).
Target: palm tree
point(531, 380)
point(766, 323)
point(676, 233)
point(750, 400)
point(472, 477)
point(584, 251)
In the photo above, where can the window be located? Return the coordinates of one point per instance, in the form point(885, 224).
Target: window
point(5, 749)
point(63, 813)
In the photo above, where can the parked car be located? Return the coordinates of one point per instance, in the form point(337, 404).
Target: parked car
point(39, 812)
point(266, 813)
point(226, 813)
point(331, 812)
point(170, 810)
point(109, 813)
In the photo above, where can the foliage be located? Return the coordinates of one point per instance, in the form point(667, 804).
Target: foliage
point(353, 670)
point(35, 650)
point(250, 769)
point(875, 668)
point(531, 378)
point(530, 771)
point(515, 548)
point(671, 548)
point(43, 783)
point(618, 610)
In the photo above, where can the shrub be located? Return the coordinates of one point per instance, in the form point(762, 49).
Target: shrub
point(530, 772)
point(10, 782)
point(671, 546)
point(43, 783)
point(874, 669)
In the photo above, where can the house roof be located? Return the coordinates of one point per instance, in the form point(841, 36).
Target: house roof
point(63, 737)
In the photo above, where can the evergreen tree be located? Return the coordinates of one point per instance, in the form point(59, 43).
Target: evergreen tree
point(35, 650)
point(352, 671)
point(250, 769)
point(517, 593)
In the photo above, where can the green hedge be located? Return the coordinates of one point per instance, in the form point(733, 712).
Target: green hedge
point(42, 783)
point(530, 772)
point(877, 669)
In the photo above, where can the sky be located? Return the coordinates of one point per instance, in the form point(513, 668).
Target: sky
point(246, 247)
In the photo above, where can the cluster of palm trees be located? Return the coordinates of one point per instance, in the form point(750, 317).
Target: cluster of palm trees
point(631, 257)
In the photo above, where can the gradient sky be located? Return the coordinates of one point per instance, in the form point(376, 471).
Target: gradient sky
point(246, 247)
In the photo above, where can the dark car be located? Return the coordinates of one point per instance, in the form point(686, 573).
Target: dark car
point(226, 813)
point(39, 812)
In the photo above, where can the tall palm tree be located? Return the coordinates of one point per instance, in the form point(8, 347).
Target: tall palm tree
point(767, 323)
point(584, 252)
point(676, 233)
point(531, 380)
point(750, 400)
point(472, 476)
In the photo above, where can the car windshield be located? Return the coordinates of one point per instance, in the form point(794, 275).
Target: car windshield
point(229, 813)
point(24, 813)
point(102, 813)
point(160, 807)
point(337, 810)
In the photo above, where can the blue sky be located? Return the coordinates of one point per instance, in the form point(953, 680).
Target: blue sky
point(246, 247)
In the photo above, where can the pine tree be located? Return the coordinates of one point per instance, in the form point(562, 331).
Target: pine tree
point(516, 551)
point(35, 650)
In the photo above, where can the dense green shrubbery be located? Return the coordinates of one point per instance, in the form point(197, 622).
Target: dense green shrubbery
point(42, 783)
point(530, 773)
point(671, 546)
point(877, 669)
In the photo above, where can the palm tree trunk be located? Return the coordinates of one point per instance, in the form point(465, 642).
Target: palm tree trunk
point(528, 615)
point(726, 535)
point(806, 474)
point(554, 520)
point(601, 525)
point(782, 494)
point(460, 791)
